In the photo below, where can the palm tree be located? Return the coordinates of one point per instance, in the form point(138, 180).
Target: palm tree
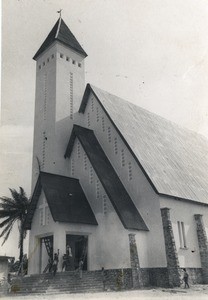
point(14, 210)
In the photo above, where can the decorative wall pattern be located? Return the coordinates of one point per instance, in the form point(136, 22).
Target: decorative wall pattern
point(71, 96)
point(72, 167)
point(45, 96)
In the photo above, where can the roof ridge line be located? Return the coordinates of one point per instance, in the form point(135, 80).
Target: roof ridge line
point(57, 32)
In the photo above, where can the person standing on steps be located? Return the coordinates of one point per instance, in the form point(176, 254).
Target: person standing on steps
point(80, 268)
point(55, 264)
point(185, 278)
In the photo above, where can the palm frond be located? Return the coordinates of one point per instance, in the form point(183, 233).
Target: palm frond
point(7, 213)
point(13, 210)
point(6, 200)
point(7, 228)
point(15, 194)
point(5, 222)
point(7, 235)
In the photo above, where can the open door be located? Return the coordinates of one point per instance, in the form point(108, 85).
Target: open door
point(46, 253)
point(79, 247)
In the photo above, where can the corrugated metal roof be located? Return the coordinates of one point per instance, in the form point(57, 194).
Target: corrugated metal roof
point(120, 199)
point(61, 33)
point(175, 159)
point(66, 200)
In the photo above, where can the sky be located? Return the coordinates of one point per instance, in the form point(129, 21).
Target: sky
point(153, 53)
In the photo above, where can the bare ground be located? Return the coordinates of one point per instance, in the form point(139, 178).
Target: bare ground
point(195, 291)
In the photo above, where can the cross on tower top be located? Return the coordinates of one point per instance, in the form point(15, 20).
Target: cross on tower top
point(59, 12)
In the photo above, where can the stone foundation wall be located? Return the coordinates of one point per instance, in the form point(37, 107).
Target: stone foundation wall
point(134, 258)
point(122, 279)
point(118, 279)
point(203, 246)
point(160, 276)
point(170, 248)
point(195, 275)
point(155, 277)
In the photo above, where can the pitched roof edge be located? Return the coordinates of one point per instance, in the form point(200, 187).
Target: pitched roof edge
point(33, 204)
point(70, 143)
point(83, 105)
point(54, 35)
point(82, 110)
point(59, 24)
point(183, 199)
point(35, 197)
point(68, 153)
point(36, 56)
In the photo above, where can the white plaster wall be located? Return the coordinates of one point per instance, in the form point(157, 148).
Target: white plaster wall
point(109, 245)
point(184, 212)
point(150, 244)
point(64, 68)
point(101, 239)
point(44, 120)
point(37, 231)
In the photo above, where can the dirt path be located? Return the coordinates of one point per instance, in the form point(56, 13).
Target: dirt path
point(195, 292)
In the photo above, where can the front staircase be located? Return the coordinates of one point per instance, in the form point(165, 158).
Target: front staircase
point(63, 282)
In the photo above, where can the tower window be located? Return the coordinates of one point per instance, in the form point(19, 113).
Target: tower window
point(39, 66)
point(52, 56)
point(47, 59)
point(74, 62)
point(181, 233)
point(67, 58)
point(43, 63)
point(79, 65)
point(61, 55)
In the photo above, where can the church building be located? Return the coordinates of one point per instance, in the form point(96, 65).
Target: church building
point(125, 189)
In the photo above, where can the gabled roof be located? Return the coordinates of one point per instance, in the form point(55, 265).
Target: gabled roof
point(120, 199)
point(60, 32)
point(66, 200)
point(174, 159)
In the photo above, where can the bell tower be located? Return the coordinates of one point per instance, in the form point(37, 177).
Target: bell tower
point(60, 86)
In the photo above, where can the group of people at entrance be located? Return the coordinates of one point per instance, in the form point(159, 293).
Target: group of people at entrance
point(53, 263)
point(68, 261)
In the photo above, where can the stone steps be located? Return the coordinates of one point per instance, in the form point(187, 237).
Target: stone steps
point(63, 282)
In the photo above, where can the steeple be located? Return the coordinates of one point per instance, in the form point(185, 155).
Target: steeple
point(60, 83)
point(60, 32)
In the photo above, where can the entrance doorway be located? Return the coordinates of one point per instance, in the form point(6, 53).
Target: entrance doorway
point(79, 247)
point(46, 252)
